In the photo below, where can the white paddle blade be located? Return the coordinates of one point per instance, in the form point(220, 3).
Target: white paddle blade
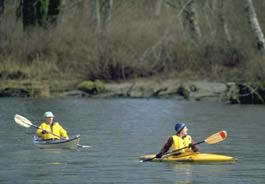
point(217, 137)
point(22, 121)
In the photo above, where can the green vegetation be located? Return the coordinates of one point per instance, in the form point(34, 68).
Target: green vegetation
point(136, 42)
point(92, 87)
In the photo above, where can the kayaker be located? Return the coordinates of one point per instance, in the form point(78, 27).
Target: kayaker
point(178, 141)
point(50, 129)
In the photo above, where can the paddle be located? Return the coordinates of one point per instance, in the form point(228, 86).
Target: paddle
point(212, 139)
point(22, 121)
point(27, 123)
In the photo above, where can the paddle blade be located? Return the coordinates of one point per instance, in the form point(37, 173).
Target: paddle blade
point(22, 121)
point(147, 158)
point(217, 137)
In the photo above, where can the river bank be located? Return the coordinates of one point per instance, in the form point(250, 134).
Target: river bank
point(139, 88)
point(155, 87)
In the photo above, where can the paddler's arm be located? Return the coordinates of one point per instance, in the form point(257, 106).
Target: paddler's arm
point(39, 131)
point(63, 132)
point(195, 148)
point(165, 148)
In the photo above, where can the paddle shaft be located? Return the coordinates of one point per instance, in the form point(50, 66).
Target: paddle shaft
point(197, 143)
point(215, 138)
point(176, 151)
point(45, 130)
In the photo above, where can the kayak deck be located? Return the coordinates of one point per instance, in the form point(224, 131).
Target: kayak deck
point(189, 157)
point(70, 143)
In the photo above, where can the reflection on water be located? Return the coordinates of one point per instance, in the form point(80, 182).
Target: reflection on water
point(54, 163)
point(119, 131)
point(184, 170)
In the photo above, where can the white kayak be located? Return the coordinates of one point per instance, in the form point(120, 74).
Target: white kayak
point(71, 143)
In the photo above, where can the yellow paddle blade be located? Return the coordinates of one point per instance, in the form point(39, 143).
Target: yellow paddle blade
point(22, 121)
point(217, 137)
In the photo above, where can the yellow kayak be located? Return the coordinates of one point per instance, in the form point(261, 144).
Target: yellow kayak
point(189, 157)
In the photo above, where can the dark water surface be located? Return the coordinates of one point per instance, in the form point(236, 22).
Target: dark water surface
point(119, 131)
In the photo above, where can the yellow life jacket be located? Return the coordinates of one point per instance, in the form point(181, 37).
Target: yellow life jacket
point(56, 129)
point(179, 143)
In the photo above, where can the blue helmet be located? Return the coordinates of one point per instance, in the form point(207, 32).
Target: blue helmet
point(179, 127)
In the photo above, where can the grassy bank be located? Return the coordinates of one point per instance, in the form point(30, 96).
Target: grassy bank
point(133, 46)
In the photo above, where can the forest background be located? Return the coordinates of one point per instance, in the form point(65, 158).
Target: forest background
point(114, 40)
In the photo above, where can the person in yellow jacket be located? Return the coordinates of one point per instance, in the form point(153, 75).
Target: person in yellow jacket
point(178, 141)
point(49, 126)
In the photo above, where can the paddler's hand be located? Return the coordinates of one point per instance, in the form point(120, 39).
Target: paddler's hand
point(159, 155)
point(44, 132)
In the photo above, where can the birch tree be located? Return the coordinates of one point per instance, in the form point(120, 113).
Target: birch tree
point(254, 24)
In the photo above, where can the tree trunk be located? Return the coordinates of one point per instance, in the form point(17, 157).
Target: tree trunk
point(254, 24)
point(103, 12)
point(92, 8)
point(106, 6)
point(53, 11)
point(190, 21)
point(158, 7)
point(40, 12)
point(222, 32)
point(28, 13)
point(93, 13)
point(98, 14)
point(2, 6)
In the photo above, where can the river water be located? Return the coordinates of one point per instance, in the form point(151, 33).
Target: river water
point(121, 130)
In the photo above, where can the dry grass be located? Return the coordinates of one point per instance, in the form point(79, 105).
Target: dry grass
point(74, 50)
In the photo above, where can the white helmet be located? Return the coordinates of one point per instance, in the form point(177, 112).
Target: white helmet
point(48, 115)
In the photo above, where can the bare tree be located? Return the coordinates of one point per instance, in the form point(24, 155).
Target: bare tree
point(159, 4)
point(28, 13)
point(216, 15)
point(92, 8)
point(223, 32)
point(254, 24)
point(54, 10)
point(2, 6)
point(39, 12)
point(190, 20)
point(103, 12)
